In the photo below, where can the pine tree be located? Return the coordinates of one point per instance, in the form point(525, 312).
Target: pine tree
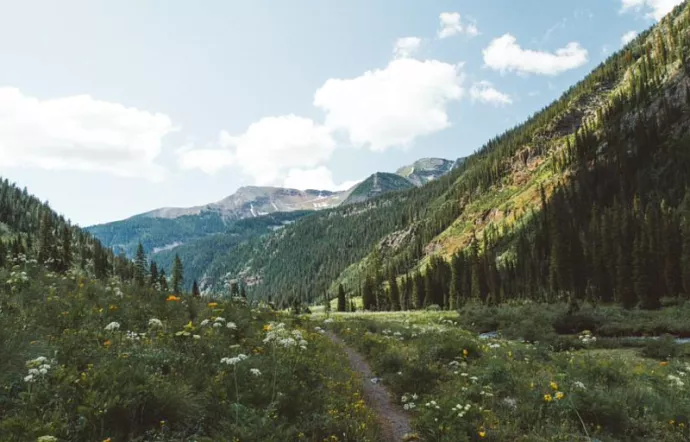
point(66, 252)
point(341, 298)
point(368, 294)
point(243, 292)
point(476, 278)
point(177, 275)
point(234, 289)
point(46, 240)
point(154, 277)
point(455, 283)
point(163, 281)
point(393, 292)
point(419, 294)
point(195, 290)
point(140, 266)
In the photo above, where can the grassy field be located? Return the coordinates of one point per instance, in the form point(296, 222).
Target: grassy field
point(81, 361)
point(460, 387)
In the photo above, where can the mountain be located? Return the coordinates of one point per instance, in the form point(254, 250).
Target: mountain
point(376, 185)
point(167, 228)
point(587, 198)
point(253, 201)
point(426, 169)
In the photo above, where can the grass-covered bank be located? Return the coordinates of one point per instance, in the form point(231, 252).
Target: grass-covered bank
point(460, 387)
point(86, 362)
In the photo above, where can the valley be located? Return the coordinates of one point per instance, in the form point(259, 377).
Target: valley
point(537, 289)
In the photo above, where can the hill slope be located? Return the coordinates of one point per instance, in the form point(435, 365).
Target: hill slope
point(592, 132)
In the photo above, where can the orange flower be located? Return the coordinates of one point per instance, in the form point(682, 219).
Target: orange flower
point(663, 364)
point(213, 304)
point(172, 298)
point(106, 344)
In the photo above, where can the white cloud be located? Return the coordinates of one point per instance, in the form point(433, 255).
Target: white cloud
point(406, 46)
point(319, 178)
point(484, 92)
point(80, 133)
point(656, 8)
point(505, 54)
point(628, 37)
point(391, 106)
point(266, 150)
point(451, 24)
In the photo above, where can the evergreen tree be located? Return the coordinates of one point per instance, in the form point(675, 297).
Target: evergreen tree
point(393, 292)
point(341, 298)
point(163, 281)
point(243, 292)
point(66, 252)
point(234, 289)
point(154, 277)
point(177, 275)
point(195, 290)
point(140, 266)
point(368, 294)
point(455, 282)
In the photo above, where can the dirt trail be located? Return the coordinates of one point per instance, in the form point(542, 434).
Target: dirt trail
point(395, 424)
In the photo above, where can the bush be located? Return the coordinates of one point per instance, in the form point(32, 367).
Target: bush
point(663, 348)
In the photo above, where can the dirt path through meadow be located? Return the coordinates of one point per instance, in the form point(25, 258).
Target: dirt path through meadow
point(395, 424)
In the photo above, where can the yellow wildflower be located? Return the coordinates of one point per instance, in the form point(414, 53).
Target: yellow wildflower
point(213, 304)
point(548, 398)
point(465, 352)
point(553, 385)
point(172, 298)
point(560, 395)
point(663, 364)
point(482, 434)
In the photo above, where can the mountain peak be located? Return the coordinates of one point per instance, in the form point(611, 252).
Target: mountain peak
point(425, 169)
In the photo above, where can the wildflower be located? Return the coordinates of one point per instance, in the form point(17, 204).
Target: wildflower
point(482, 434)
point(465, 352)
point(579, 385)
point(553, 385)
point(196, 336)
point(106, 344)
point(220, 319)
point(328, 320)
point(560, 395)
point(217, 325)
point(47, 439)
point(29, 378)
point(112, 326)
point(548, 398)
point(231, 325)
point(154, 322)
point(235, 360)
point(204, 323)
point(213, 304)
point(676, 380)
point(106, 440)
point(172, 298)
point(255, 371)
point(663, 364)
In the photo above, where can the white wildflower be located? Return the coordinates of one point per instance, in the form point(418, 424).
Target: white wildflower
point(155, 322)
point(255, 371)
point(112, 326)
point(217, 324)
point(47, 439)
point(580, 385)
point(220, 319)
point(204, 323)
point(231, 326)
point(234, 360)
point(328, 320)
point(196, 336)
point(29, 378)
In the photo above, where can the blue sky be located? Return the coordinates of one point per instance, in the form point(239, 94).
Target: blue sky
point(108, 109)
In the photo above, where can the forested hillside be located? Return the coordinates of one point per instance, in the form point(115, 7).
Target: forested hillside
point(595, 178)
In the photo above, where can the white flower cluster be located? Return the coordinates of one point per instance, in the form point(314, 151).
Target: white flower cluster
point(586, 337)
point(38, 368)
point(113, 326)
point(17, 278)
point(278, 335)
point(319, 330)
point(255, 371)
point(407, 401)
point(204, 323)
point(47, 439)
point(461, 409)
point(231, 325)
point(579, 385)
point(494, 345)
point(156, 323)
point(432, 404)
point(675, 380)
point(328, 320)
point(234, 360)
point(134, 336)
point(218, 322)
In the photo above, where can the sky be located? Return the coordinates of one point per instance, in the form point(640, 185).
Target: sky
point(109, 109)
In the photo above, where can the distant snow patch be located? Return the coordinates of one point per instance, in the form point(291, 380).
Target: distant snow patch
point(166, 247)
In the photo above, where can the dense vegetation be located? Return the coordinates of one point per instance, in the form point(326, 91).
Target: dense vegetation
point(97, 347)
point(460, 387)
